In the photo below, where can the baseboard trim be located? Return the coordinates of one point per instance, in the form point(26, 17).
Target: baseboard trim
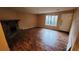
point(28, 28)
point(54, 29)
point(46, 28)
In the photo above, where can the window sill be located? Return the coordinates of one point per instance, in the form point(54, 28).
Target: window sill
point(50, 25)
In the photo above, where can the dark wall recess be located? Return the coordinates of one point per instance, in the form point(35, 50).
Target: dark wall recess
point(10, 28)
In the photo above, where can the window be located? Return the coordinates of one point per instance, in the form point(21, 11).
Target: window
point(51, 20)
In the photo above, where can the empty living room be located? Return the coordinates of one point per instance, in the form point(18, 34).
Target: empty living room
point(39, 29)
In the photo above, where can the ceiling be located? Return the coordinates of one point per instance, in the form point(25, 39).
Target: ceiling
point(41, 10)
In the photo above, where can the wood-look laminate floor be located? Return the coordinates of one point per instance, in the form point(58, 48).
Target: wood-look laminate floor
point(40, 39)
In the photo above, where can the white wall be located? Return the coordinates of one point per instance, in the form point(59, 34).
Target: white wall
point(6, 13)
point(27, 20)
point(74, 29)
point(66, 21)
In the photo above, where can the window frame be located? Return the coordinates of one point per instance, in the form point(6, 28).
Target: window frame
point(51, 24)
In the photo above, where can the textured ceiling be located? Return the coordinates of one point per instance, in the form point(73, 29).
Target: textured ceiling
point(40, 10)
